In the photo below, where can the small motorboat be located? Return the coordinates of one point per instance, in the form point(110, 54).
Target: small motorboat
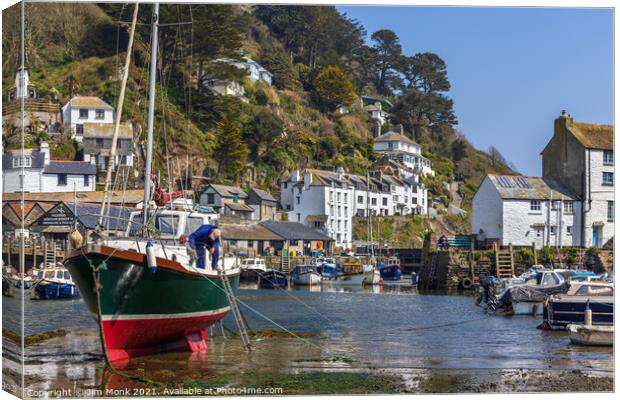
point(390, 269)
point(591, 335)
point(272, 278)
point(54, 283)
point(564, 309)
point(251, 269)
point(305, 275)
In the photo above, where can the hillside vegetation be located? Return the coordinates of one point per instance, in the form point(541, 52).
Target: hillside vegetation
point(320, 60)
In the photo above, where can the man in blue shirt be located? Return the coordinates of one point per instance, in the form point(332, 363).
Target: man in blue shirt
point(206, 236)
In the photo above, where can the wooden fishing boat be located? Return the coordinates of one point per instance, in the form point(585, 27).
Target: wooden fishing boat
point(305, 275)
point(272, 279)
point(591, 335)
point(251, 269)
point(390, 269)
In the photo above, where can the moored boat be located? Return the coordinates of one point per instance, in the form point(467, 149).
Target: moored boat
point(591, 335)
point(54, 283)
point(564, 309)
point(372, 276)
point(305, 275)
point(327, 267)
point(251, 269)
point(272, 279)
point(390, 269)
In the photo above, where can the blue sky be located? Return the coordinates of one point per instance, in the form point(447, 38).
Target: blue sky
point(512, 70)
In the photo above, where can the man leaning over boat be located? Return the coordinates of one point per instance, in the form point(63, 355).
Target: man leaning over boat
point(207, 236)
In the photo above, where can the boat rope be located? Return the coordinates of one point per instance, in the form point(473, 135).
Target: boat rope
point(266, 318)
point(314, 310)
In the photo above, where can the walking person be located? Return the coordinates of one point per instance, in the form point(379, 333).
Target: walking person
point(207, 236)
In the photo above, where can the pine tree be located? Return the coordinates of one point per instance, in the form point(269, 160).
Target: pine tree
point(231, 152)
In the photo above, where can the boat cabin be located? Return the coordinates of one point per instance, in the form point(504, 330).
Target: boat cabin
point(591, 289)
point(56, 275)
point(253, 263)
point(172, 223)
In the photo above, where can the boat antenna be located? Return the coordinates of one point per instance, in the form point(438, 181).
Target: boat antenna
point(149, 126)
point(119, 112)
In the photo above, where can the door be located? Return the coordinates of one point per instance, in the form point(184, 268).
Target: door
point(596, 236)
point(261, 247)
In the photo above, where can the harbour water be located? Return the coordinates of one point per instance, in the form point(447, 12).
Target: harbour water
point(395, 330)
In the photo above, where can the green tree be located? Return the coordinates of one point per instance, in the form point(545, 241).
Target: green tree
point(332, 88)
point(388, 59)
point(426, 72)
point(230, 153)
point(261, 132)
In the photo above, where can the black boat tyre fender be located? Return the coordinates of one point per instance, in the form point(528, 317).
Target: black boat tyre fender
point(466, 283)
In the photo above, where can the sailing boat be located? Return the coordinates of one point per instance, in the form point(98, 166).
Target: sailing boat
point(372, 275)
point(150, 297)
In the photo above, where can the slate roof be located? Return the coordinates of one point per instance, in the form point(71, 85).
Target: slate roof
point(102, 130)
point(238, 206)
point(294, 231)
point(528, 188)
point(88, 215)
point(593, 136)
point(70, 167)
point(247, 232)
point(263, 195)
point(37, 158)
point(89, 102)
point(131, 196)
point(392, 136)
point(229, 191)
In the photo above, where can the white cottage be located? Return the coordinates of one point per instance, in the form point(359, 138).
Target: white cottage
point(399, 147)
point(522, 210)
point(82, 109)
point(44, 175)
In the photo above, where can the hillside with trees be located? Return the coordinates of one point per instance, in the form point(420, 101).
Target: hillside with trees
point(320, 59)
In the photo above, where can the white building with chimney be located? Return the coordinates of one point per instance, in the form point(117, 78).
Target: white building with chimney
point(85, 109)
point(522, 211)
point(41, 174)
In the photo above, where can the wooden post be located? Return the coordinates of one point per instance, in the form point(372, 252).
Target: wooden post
point(471, 257)
point(535, 252)
point(44, 253)
point(512, 260)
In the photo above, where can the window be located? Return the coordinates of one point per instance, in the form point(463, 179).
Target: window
point(385, 201)
point(285, 185)
point(99, 114)
point(79, 129)
point(535, 205)
point(608, 178)
point(210, 198)
point(338, 197)
point(298, 217)
point(608, 157)
point(395, 198)
point(192, 224)
point(569, 230)
point(360, 199)
point(62, 179)
point(373, 201)
point(552, 230)
point(568, 207)
point(18, 161)
point(86, 180)
point(346, 199)
point(288, 206)
point(538, 232)
point(610, 211)
point(83, 113)
point(235, 198)
point(232, 242)
point(298, 200)
point(167, 223)
point(555, 205)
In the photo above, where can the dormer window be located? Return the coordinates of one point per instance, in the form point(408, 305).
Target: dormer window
point(19, 162)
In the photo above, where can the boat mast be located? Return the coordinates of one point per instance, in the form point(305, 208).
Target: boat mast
point(149, 126)
point(119, 112)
